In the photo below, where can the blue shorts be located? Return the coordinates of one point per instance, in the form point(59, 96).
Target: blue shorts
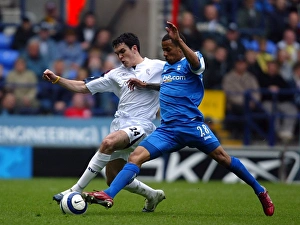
point(173, 136)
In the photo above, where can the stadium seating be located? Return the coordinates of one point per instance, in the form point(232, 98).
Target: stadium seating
point(5, 41)
point(8, 58)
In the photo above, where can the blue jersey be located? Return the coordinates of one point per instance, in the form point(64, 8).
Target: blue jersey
point(181, 91)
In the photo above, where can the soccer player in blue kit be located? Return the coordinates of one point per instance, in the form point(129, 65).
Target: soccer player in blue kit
point(182, 124)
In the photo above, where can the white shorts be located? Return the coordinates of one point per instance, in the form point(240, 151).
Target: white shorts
point(136, 129)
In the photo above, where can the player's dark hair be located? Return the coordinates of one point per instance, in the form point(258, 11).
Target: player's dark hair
point(128, 39)
point(167, 37)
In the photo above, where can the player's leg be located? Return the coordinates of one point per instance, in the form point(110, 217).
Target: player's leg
point(205, 140)
point(124, 177)
point(150, 148)
point(116, 140)
point(237, 167)
point(121, 139)
point(152, 197)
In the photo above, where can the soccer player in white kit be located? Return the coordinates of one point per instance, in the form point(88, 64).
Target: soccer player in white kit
point(133, 119)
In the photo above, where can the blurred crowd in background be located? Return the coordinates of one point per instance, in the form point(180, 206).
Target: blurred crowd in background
point(248, 45)
point(71, 52)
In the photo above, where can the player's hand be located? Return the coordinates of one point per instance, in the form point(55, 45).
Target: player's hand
point(49, 75)
point(133, 82)
point(172, 31)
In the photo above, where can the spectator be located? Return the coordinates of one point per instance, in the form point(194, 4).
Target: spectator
point(249, 20)
point(100, 102)
point(276, 102)
point(60, 97)
point(293, 5)
point(227, 10)
point(188, 29)
point(70, 51)
point(291, 47)
point(94, 62)
point(23, 33)
point(276, 21)
point(111, 62)
point(86, 31)
point(82, 74)
point(8, 104)
point(213, 79)
point(211, 27)
point(235, 84)
point(251, 59)
point(294, 24)
point(55, 23)
point(79, 107)
point(262, 55)
point(23, 83)
point(102, 41)
point(285, 67)
point(208, 50)
point(106, 103)
point(47, 45)
point(196, 7)
point(233, 44)
point(295, 84)
point(33, 58)
point(49, 94)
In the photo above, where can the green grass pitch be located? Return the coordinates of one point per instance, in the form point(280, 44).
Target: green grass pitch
point(30, 202)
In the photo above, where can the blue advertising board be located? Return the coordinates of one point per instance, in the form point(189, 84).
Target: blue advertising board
point(15, 162)
point(53, 131)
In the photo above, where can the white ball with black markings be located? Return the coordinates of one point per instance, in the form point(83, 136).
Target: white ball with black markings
point(73, 203)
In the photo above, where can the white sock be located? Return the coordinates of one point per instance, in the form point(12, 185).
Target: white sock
point(97, 163)
point(140, 188)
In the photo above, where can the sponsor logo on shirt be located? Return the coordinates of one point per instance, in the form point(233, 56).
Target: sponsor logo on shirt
point(169, 78)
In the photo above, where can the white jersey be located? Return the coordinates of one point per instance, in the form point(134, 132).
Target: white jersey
point(136, 109)
point(139, 103)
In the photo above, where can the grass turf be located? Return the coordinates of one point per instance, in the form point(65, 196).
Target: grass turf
point(30, 202)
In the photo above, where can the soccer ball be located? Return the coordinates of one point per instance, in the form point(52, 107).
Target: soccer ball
point(73, 203)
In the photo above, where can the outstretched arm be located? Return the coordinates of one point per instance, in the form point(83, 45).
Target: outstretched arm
point(134, 82)
point(72, 85)
point(188, 53)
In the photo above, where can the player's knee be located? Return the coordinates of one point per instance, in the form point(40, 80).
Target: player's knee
point(221, 157)
point(139, 156)
point(223, 160)
point(106, 146)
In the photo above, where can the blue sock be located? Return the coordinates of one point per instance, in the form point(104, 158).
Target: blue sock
point(240, 170)
point(123, 178)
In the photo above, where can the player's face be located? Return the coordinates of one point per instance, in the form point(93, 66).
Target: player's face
point(172, 53)
point(125, 54)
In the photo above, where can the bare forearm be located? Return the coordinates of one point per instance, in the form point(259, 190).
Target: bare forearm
point(73, 85)
point(189, 54)
point(136, 83)
point(153, 86)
